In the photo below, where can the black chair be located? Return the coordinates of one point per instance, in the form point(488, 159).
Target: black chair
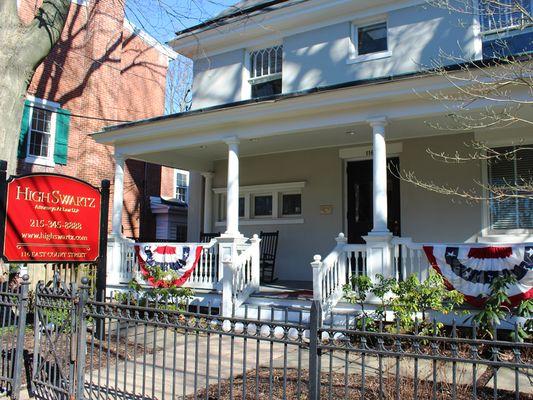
point(268, 249)
point(205, 237)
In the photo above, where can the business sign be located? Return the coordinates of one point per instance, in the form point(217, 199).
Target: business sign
point(51, 218)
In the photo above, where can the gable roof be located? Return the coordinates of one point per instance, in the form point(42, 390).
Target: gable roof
point(241, 9)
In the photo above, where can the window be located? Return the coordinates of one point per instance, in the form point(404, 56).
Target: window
point(369, 41)
point(372, 38)
point(242, 201)
point(44, 133)
point(40, 133)
point(263, 206)
point(269, 204)
point(504, 14)
point(291, 204)
point(266, 71)
point(182, 185)
point(516, 212)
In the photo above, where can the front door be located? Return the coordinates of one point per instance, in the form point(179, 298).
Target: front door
point(359, 191)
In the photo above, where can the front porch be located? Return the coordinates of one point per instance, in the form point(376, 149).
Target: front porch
point(310, 167)
point(233, 282)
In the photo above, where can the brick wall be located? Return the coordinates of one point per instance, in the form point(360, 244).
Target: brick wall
point(103, 73)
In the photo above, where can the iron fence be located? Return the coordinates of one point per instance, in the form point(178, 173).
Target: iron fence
point(13, 309)
point(150, 349)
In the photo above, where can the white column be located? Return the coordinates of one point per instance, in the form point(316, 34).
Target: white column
point(379, 175)
point(208, 201)
point(232, 198)
point(118, 195)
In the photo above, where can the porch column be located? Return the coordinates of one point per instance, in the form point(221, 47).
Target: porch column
point(379, 175)
point(379, 254)
point(232, 198)
point(208, 201)
point(118, 195)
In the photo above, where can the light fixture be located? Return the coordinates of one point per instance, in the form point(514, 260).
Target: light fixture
point(351, 132)
point(203, 147)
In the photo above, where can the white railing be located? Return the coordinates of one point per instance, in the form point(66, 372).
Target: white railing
point(331, 274)
point(205, 276)
point(399, 259)
point(240, 274)
point(409, 258)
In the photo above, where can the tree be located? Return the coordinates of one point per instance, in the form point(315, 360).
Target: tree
point(502, 82)
point(23, 49)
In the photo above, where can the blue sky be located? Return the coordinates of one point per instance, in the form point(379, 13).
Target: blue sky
point(161, 18)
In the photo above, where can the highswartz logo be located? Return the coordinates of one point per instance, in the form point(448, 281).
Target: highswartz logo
point(55, 197)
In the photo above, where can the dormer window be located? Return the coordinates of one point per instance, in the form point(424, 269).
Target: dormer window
point(504, 15)
point(265, 71)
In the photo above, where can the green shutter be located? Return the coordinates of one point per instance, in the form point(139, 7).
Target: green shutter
point(24, 129)
point(61, 142)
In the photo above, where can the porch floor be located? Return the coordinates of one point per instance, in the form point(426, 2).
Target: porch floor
point(297, 290)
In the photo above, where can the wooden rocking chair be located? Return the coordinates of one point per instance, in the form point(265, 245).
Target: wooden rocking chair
point(268, 250)
point(205, 237)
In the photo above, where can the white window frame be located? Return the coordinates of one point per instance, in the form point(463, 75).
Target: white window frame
point(281, 204)
point(49, 106)
point(503, 31)
point(187, 178)
point(354, 56)
point(487, 234)
point(247, 80)
point(249, 193)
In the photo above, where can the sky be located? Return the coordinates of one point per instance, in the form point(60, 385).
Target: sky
point(161, 18)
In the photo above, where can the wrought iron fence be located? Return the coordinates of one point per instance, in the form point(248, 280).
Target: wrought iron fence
point(142, 348)
point(13, 308)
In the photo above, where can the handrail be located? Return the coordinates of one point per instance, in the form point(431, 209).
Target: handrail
point(329, 276)
point(240, 276)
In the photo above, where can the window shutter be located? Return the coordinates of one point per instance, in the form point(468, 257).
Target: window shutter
point(24, 129)
point(61, 140)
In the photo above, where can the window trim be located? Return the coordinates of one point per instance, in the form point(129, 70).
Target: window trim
point(250, 192)
point(353, 56)
point(487, 233)
point(247, 80)
point(51, 106)
point(175, 186)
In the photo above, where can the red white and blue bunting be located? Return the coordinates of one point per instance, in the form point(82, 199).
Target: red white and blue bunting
point(164, 265)
point(471, 269)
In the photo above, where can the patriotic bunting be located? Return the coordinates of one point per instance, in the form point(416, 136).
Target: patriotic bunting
point(470, 270)
point(165, 265)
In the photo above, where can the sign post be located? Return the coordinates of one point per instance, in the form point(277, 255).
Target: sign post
point(101, 272)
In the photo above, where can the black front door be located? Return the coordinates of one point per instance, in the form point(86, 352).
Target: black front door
point(360, 210)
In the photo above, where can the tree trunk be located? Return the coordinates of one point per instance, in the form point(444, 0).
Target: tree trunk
point(23, 49)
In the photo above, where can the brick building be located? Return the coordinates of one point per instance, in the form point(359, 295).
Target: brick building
point(103, 71)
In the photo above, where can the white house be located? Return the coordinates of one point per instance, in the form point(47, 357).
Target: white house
point(298, 107)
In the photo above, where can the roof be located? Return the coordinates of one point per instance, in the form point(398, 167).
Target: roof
point(241, 9)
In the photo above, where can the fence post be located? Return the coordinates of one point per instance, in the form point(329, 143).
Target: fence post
point(21, 328)
point(315, 322)
point(81, 337)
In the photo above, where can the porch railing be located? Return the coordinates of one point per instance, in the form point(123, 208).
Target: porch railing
point(409, 259)
point(402, 259)
point(331, 274)
point(240, 270)
point(205, 276)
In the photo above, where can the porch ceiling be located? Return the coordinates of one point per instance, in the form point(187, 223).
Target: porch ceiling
point(201, 157)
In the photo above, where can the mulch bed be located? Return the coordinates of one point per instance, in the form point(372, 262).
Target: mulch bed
point(338, 389)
